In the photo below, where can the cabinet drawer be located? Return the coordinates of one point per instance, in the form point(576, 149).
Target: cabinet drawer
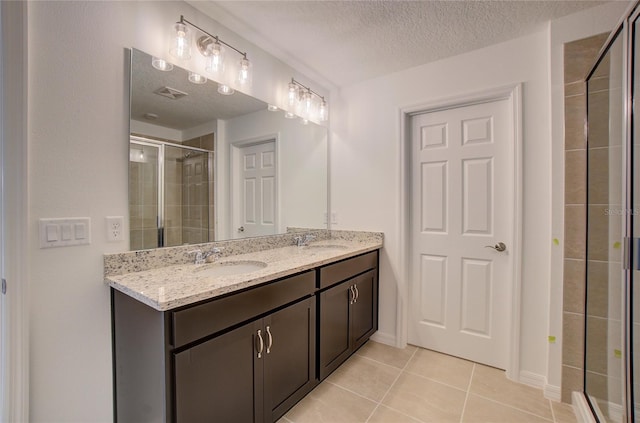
point(195, 322)
point(337, 272)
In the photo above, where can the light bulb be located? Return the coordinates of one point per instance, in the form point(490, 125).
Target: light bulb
point(181, 41)
point(215, 59)
point(289, 115)
point(196, 78)
point(292, 94)
point(308, 103)
point(225, 89)
point(323, 112)
point(244, 73)
point(161, 64)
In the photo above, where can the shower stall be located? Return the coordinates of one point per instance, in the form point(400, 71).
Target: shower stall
point(170, 194)
point(612, 316)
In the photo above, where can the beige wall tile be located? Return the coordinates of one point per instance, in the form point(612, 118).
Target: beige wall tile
point(597, 289)
point(598, 104)
point(572, 380)
point(575, 232)
point(599, 176)
point(598, 233)
point(575, 112)
point(575, 88)
point(574, 285)
point(575, 177)
point(573, 339)
point(579, 56)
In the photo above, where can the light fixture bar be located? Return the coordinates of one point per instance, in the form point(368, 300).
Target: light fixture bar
point(215, 37)
point(301, 85)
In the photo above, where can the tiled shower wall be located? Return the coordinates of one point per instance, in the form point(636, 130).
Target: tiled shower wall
point(579, 57)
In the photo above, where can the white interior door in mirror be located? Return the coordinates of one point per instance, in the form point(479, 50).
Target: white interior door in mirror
point(460, 215)
point(256, 196)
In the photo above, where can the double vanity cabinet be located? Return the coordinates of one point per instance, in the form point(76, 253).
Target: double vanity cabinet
point(244, 356)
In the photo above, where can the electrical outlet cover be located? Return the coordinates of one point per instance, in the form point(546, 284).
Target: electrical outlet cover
point(115, 228)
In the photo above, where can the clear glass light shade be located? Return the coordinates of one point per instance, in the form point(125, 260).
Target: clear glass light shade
point(323, 111)
point(225, 89)
point(180, 41)
point(244, 73)
point(196, 78)
point(161, 64)
point(215, 58)
point(290, 115)
point(307, 104)
point(292, 94)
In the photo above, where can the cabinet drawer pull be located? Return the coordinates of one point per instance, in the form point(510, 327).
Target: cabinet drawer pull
point(261, 344)
point(270, 340)
point(355, 288)
point(352, 298)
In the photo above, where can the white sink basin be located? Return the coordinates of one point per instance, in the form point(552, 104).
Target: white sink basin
point(227, 268)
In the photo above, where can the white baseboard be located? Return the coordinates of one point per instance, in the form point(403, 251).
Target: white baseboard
point(532, 379)
point(384, 338)
point(552, 392)
point(581, 408)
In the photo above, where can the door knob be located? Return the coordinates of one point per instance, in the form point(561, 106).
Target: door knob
point(500, 246)
point(241, 229)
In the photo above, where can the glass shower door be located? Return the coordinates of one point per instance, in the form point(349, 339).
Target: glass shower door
point(144, 195)
point(604, 379)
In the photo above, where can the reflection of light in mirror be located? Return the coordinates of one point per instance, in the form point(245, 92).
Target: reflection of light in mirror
point(272, 108)
point(293, 93)
point(322, 111)
point(243, 74)
point(304, 121)
point(181, 43)
point(196, 78)
point(215, 61)
point(225, 89)
point(290, 115)
point(161, 64)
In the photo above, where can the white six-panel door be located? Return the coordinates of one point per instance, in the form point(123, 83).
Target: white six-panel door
point(258, 190)
point(461, 211)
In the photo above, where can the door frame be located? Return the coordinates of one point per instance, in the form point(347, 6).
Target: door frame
point(512, 93)
point(234, 154)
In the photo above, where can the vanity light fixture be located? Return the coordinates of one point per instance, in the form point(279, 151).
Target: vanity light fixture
point(161, 64)
point(196, 78)
point(305, 99)
point(225, 89)
point(211, 47)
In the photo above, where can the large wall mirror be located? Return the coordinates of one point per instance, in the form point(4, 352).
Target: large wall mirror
point(205, 166)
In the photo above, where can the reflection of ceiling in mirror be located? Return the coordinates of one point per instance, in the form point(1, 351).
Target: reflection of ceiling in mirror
point(202, 104)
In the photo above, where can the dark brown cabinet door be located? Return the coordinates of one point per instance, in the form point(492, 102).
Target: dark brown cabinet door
point(289, 359)
point(334, 327)
point(364, 311)
point(220, 380)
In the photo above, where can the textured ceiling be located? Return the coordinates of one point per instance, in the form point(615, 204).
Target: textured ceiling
point(343, 42)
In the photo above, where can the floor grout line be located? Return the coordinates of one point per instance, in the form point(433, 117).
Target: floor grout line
point(513, 407)
point(466, 398)
point(392, 385)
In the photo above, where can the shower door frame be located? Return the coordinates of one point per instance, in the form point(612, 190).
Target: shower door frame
point(161, 145)
point(623, 29)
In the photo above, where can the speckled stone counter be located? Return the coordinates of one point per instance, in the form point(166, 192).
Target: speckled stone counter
point(166, 278)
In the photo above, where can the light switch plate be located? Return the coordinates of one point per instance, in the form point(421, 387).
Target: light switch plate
point(59, 232)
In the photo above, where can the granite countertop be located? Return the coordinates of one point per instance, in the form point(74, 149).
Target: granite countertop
point(169, 287)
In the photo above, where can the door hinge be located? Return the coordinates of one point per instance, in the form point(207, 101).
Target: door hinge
point(4, 286)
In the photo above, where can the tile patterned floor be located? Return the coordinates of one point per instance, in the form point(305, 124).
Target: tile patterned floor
point(382, 384)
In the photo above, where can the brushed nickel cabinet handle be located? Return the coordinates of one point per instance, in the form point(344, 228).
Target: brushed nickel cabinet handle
point(352, 297)
point(355, 288)
point(261, 344)
point(270, 337)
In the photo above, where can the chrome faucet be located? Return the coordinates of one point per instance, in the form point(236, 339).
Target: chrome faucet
point(201, 258)
point(304, 240)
